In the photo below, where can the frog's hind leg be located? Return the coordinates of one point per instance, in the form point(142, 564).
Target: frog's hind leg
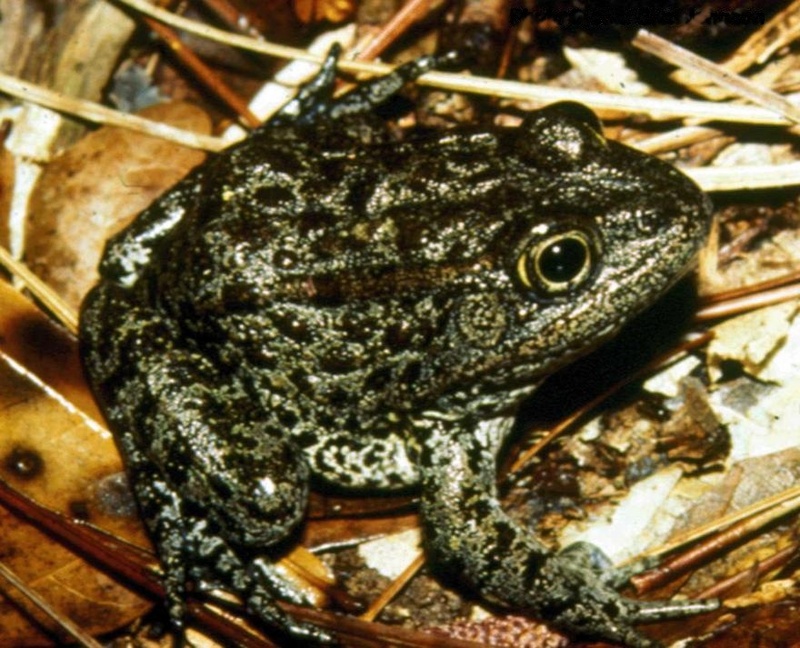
point(369, 94)
point(215, 483)
point(314, 99)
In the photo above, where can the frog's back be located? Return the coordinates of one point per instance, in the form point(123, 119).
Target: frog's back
point(335, 270)
point(284, 211)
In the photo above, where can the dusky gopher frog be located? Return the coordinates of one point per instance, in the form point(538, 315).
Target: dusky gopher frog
point(324, 300)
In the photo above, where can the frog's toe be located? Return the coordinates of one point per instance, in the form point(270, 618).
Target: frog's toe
point(265, 587)
point(614, 619)
point(590, 559)
point(264, 574)
point(259, 583)
point(263, 605)
point(663, 610)
point(578, 592)
point(612, 631)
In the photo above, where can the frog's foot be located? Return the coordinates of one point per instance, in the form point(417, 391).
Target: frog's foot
point(314, 100)
point(258, 582)
point(366, 96)
point(265, 585)
point(576, 589)
point(191, 552)
point(192, 549)
point(211, 501)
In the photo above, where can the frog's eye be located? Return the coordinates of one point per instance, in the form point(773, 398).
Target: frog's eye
point(558, 263)
point(575, 111)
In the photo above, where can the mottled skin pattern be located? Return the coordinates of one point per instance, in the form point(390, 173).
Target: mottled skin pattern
point(322, 300)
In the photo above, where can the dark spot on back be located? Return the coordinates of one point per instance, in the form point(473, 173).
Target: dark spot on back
point(312, 221)
point(377, 379)
point(359, 194)
point(292, 327)
point(272, 195)
point(340, 364)
point(398, 335)
point(411, 373)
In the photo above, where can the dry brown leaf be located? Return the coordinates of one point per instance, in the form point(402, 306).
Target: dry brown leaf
point(71, 47)
point(96, 188)
point(735, 340)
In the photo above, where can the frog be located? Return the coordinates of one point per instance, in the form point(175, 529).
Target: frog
point(329, 303)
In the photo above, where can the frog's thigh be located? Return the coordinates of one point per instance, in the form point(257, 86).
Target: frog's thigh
point(350, 461)
point(219, 450)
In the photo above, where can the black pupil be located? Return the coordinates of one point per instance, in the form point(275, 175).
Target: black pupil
point(563, 260)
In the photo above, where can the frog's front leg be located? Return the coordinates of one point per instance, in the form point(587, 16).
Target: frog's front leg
point(216, 481)
point(471, 537)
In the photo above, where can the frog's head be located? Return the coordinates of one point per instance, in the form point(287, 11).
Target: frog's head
point(595, 233)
